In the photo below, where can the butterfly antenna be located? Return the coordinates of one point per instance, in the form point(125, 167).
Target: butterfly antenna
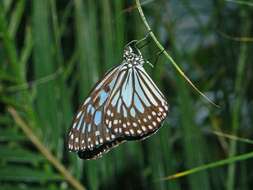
point(131, 42)
point(143, 39)
point(136, 42)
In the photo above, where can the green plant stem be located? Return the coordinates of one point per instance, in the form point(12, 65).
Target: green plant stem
point(10, 49)
point(239, 92)
point(211, 165)
point(159, 45)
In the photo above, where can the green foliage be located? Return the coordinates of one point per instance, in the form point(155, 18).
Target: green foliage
point(51, 54)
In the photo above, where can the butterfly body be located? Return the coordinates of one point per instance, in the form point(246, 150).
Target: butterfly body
point(124, 105)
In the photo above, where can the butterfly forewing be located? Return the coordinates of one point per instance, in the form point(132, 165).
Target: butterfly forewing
point(88, 132)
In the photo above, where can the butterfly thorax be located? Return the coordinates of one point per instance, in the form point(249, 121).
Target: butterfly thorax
point(132, 58)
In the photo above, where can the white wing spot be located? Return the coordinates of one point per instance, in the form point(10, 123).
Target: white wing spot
point(124, 125)
point(132, 131)
point(160, 109)
point(153, 113)
point(150, 127)
point(134, 124)
point(139, 131)
point(97, 133)
point(149, 117)
point(110, 125)
point(76, 140)
point(143, 128)
point(115, 121)
point(113, 136)
point(154, 123)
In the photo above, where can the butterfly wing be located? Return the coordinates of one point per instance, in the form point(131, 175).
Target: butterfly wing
point(88, 136)
point(136, 107)
point(124, 105)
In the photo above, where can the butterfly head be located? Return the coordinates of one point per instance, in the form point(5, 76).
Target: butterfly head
point(133, 56)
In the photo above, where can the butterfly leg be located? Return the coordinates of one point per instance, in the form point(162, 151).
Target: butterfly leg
point(150, 63)
point(158, 55)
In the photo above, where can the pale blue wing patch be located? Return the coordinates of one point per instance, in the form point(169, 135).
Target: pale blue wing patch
point(138, 103)
point(98, 118)
point(132, 112)
point(115, 98)
point(103, 97)
point(140, 92)
point(127, 89)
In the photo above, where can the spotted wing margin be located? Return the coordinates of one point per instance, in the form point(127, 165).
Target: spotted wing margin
point(88, 136)
point(136, 108)
point(97, 152)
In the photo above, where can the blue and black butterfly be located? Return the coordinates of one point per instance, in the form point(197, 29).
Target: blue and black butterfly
point(125, 105)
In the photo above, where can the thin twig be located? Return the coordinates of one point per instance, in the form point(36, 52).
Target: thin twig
point(159, 45)
point(49, 156)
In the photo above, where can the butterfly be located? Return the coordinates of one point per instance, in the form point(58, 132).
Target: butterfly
point(125, 105)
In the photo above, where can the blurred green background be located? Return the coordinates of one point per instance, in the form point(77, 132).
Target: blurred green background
point(53, 51)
